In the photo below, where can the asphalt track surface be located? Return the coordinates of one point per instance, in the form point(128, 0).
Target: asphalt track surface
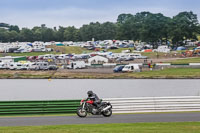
point(125, 118)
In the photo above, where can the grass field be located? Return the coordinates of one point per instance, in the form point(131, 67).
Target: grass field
point(186, 61)
point(178, 127)
point(57, 50)
point(28, 54)
point(169, 73)
point(70, 49)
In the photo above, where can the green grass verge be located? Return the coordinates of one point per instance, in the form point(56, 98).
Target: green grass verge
point(70, 49)
point(185, 61)
point(169, 73)
point(28, 54)
point(57, 50)
point(177, 127)
point(76, 50)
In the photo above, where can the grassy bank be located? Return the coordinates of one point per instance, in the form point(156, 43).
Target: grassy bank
point(28, 54)
point(171, 73)
point(185, 61)
point(57, 50)
point(70, 49)
point(178, 127)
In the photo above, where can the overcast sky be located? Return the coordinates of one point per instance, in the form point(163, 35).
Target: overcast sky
point(30, 13)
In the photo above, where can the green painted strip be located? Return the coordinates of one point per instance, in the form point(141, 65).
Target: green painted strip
point(38, 107)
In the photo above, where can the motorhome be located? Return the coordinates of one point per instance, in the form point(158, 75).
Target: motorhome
point(18, 66)
point(163, 49)
point(42, 66)
point(131, 68)
point(38, 46)
point(76, 65)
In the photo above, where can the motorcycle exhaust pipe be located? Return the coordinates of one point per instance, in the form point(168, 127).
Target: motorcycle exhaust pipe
point(108, 107)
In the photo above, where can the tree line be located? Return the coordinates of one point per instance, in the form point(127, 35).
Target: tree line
point(153, 28)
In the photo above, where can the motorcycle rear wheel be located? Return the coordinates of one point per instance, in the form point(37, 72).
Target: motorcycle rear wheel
point(81, 112)
point(107, 113)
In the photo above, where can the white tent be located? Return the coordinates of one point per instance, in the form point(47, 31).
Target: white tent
point(97, 59)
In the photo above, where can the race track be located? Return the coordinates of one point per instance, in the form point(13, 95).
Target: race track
point(125, 118)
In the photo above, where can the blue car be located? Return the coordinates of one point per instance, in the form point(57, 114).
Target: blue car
point(118, 68)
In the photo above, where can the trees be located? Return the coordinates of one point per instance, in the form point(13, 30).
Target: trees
point(26, 35)
point(71, 34)
point(108, 31)
point(122, 18)
point(157, 28)
point(87, 32)
point(153, 28)
point(185, 26)
point(59, 34)
point(14, 28)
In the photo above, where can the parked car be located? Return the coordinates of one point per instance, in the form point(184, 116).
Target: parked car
point(125, 58)
point(63, 56)
point(40, 57)
point(129, 58)
point(31, 57)
point(52, 67)
point(118, 68)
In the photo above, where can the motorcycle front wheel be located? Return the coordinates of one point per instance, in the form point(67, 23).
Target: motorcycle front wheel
point(81, 112)
point(107, 113)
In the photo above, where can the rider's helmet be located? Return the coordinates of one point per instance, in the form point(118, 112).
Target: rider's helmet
point(90, 93)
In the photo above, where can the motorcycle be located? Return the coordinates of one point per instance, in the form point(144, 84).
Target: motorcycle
point(87, 106)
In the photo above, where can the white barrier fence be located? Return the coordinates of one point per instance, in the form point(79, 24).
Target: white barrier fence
point(155, 104)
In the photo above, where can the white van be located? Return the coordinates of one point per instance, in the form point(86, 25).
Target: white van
point(3, 65)
point(76, 65)
point(11, 66)
point(131, 68)
point(18, 66)
point(33, 66)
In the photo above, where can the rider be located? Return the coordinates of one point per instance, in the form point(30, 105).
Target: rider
point(92, 96)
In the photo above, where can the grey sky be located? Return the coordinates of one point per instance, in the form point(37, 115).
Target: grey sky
point(29, 13)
